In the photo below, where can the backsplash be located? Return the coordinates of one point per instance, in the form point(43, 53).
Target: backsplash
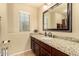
point(67, 38)
point(63, 37)
point(73, 39)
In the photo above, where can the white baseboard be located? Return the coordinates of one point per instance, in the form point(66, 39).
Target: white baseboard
point(20, 52)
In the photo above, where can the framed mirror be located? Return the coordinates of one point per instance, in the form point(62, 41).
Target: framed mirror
point(58, 18)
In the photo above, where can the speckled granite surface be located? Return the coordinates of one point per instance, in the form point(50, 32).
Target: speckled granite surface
point(66, 46)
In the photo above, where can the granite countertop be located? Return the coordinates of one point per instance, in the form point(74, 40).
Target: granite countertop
point(66, 46)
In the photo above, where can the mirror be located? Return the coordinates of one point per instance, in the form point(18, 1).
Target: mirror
point(58, 17)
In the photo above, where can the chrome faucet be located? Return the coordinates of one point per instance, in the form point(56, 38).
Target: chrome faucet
point(50, 34)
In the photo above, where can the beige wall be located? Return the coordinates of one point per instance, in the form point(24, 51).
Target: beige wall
point(9, 25)
point(10, 10)
point(20, 40)
point(3, 22)
point(75, 22)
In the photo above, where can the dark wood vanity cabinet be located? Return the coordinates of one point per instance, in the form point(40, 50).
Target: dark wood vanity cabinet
point(32, 45)
point(56, 52)
point(37, 49)
point(43, 52)
point(42, 49)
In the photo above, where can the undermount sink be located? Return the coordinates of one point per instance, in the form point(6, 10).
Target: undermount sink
point(47, 38)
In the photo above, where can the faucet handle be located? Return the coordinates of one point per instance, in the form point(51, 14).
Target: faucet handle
point(45, 33)
point(53, 36)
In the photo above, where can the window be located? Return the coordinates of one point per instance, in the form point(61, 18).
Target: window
point(24, 21)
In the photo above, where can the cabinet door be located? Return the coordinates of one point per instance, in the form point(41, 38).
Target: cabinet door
point(33, 45)
point(43, 52)
point(37, 48)
point(56, 52)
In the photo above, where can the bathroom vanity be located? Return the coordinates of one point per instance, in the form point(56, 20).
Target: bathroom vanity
point(44, 46)
point(42, 49)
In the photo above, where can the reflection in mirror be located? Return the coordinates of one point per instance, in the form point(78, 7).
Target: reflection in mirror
point(56, 18)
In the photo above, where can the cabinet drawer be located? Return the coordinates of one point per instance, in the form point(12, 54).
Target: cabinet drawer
point(43, 45)
point(32, 39)
point(46, 47)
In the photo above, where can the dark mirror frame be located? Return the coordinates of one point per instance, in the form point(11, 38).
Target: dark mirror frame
point(69, 18)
